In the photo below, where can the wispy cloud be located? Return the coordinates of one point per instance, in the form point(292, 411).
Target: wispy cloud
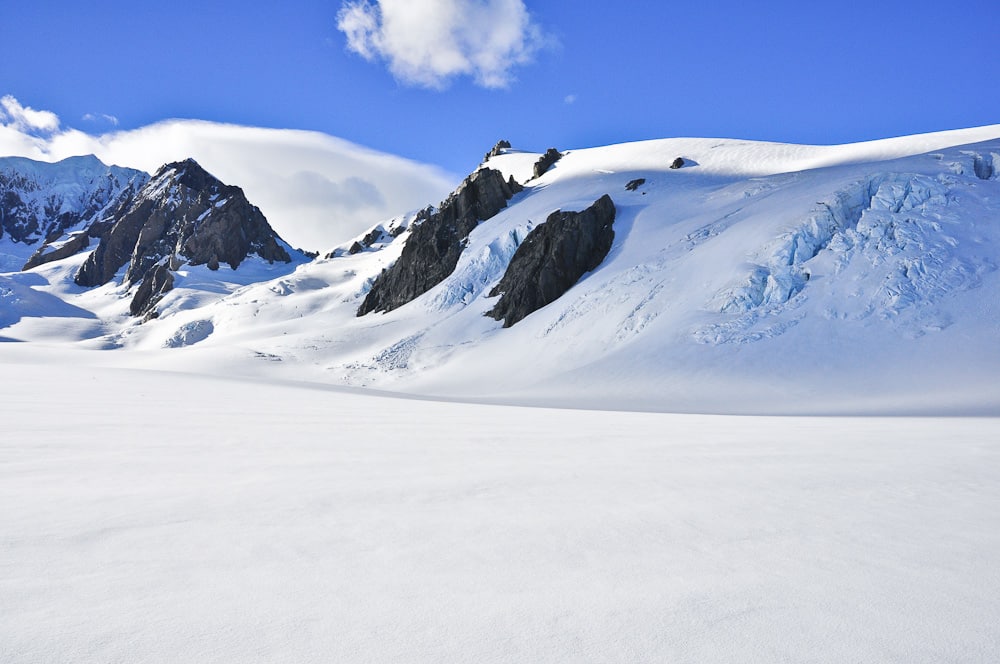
point(569, 99)
point(24, 118)
point(101, 118)
point(316, 190)
point(430, 42)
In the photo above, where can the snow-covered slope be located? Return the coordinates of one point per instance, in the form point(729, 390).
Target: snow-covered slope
point(758, 277)
point(39, 200)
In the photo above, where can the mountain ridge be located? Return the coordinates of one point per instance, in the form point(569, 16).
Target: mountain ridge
point(720, 284)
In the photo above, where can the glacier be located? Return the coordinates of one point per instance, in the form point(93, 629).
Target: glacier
point(257, 474)
point(724, 275)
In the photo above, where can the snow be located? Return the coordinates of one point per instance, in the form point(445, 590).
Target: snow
point(163, 517)
point(258, 475)
point(866, 284)
point(73, 185)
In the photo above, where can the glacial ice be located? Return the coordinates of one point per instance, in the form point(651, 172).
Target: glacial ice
point(893, 223)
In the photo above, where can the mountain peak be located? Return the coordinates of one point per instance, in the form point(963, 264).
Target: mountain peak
point(183, 215)
point(40, 201)
point(189, 173)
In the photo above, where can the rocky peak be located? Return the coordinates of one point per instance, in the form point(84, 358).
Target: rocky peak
point(437, 240)
point(498, 149)
point(191, 175)
point(183, 215)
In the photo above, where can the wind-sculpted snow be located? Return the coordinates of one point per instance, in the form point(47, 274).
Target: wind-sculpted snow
point(190, 333)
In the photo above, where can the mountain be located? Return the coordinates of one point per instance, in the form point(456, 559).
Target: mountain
point(41, 202)
point(705, 275)
point(182, 215)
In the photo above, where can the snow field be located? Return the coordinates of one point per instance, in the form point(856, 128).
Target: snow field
point(163, 517)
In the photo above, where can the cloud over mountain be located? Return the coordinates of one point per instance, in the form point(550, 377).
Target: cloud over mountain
point(315, 189)
point(430, 43)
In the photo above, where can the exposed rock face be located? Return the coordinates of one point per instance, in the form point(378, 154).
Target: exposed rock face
point(437, 240)
point(71, 247)
point(635, 184)
point(546, 161)
point(157, 282)
point(677, 163)
point(497, 149)
point(39, 201)
point(375, 235)
point(552, 259)
point(984, 167)
point(183, 214)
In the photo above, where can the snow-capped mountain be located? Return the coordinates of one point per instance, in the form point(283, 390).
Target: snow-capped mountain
point(40, 201)
point(678, 274)
point(183, 215)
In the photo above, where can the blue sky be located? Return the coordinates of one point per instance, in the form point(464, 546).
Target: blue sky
point(586, 73)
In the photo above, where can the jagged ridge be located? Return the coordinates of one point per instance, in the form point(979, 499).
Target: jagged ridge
point(182, 215)
point(434, 246)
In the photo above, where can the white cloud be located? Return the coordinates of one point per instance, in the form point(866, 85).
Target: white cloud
point(101, 118)
point(430, 42)
point(26, 119)
point(570, 99)
point(316, 190)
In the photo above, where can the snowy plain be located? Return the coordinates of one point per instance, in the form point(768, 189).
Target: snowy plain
point(226, 483)
point(164, 517)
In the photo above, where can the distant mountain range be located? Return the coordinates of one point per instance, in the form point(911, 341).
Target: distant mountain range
point(699, 275)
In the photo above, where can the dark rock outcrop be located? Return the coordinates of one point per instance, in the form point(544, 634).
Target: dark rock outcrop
point(497, 149)
point(71, 247)
point(373, 236)
point(983, 167)
point(552, 259)
point(155, 284)
point(375, 239)
point(677, 163)
point(183, 214)
point(546, 161)
point(635, 184)
point(437, 240)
